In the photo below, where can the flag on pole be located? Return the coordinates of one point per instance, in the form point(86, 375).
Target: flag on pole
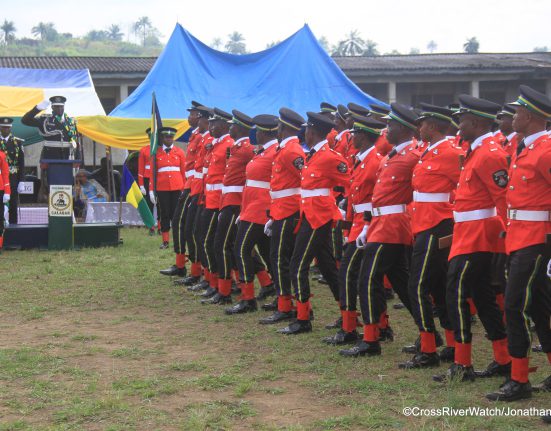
point(131, 194)
point(156, 125)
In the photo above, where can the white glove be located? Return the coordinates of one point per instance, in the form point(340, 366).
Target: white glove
point(45, 104)
point(6, 215)
point(361, 241)
point(152, 197)
point(268, 227)
point(143, 190)
point(343, 213)
point(237, 219)
point(6, 199)
point(20, 188)
point(549, 268)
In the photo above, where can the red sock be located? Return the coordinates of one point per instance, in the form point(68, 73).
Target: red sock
point(264, 278)
point(428, 342)
point(463, 354)
point(349, 321)
point(471, 306)
point(206, 275)
point(180, 260)
point(386, 283)
point(549, 357)
point(213, 280)
point(371, 333)
point(196, 269)
point(501, 352)
point(500, 299)
point(1, 241)
point(164, 235)
point(519, 370)
point(247, 291)
point(383, 320)
point(284, 303)
point(450, 338)
point(303, 310)
point(224, 286)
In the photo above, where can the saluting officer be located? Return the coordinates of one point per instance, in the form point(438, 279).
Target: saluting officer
point(479, 214)
point(528, 292)
point(12, 147)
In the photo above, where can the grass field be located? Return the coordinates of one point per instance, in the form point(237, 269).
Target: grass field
point(98, 340)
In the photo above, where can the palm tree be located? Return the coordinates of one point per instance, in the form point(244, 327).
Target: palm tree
point(431, 46)
point(216, 43)
point(352, 45)
point(236, 43)
point(9, 31)
point(370, 49)
point(142, 27)
point(45, 30)
point(114, 32)
point(471, 46)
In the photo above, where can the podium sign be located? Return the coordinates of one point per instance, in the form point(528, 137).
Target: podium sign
point(60, 217)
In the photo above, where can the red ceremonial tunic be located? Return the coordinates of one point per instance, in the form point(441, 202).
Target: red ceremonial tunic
point(285, 179)
point(256, 194)
point(331, 138)
point(197, 180)
point(4, 175)
point(323, 171)
point(241, 153)
point(191, 156)
point(529, 189)
point(434, 176)
point(482, 186)
point(144, 164)
point(511, 143)
point(170, 169)
point(216, 166)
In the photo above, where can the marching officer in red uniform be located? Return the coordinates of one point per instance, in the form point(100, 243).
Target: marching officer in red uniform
point(237, 156)
point(378, 112)
point(170, 165)
point(284, 209)
point(178, 221)
point(389, 235)
point(365, 133)
point(329, 111)
point(253, 218)
point(216, 158)
point(512, 138)
point(323, 170)
point(144, 175)
point(528, 292)
point(5, 192)
point(479, 214)
point(434, 181)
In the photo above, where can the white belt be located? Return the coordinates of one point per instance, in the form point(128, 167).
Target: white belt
point(190, 173)
point(529, 215)
point(198, 175)
point(389, 209)
point(285, 193)
point(56, 144)
point(431, 197)
point(463, 216)
point(169, 169)
point(147, 167)
point(258, 184)
point(360, 208)
point(232, 189)
point(205, 170)
point(213, 187)
point(315, 192)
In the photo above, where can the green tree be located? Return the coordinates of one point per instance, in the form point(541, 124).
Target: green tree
point(370, 49)
point(143, 27)
point(432, 46)
point(471, 46)
point(324, 43)
point(236, 44)
point(45, 31)
point(414, 51)
point(114, 33)
point(540, 49)
point(97, 35)
point(272, 44)
point(351, 46)
point(8, 28)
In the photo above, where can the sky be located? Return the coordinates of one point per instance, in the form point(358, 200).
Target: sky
point(500, 26)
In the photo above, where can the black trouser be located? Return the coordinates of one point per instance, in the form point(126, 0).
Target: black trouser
point(208, 219)
point(469, 276)
point(178, 221)
point(148, 201)
point(428, 276)
point(348, 276)
point(167, 202)
point(14, 198)
point(282, 244)
point(380, 259)
point(528, 293)
point(336, 240)
point(310, 244)
point(249, 236)
point(190, 229)
point(224, 241)
point(499, 278)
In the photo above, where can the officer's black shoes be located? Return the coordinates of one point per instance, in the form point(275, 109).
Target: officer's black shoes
point(544, 386)
point(546, 419)
point(321, 280)
point(342, 337)
point(164, 245)
point(495, 370)
point(363, 348)
point(270, 306)
point(399, 306)
point(386, 334)
point(537, 348)
point(421, 360)
point(511, 391)
point(447, 354)
point(337, 324)
point(209, 293)
point(297, 327)
point(201, 285)
point(278, 316)
point(174, 270)
point(243, 306)
point(266, 292)
point(412, 349)
point(389, 294)
point(456, 372)
point(190, 280)
point(217, 299)
point(152, 232)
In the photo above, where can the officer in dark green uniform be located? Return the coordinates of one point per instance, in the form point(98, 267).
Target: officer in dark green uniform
point(12, 147)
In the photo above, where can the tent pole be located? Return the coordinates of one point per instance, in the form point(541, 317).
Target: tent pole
point(108, 173)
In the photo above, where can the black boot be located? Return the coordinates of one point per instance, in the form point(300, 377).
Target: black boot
point(511, 391)
point(164, 245)
point(544, 386)
point(537, 348)
point(297, 327)
point(190, 280)
point(456, 371)
point(399, 306)
point(335, 325)
point(217, 299)
point(202, 285)
point(447, 354)
point(342, 337)
point(495, 370)
point(209, 293)
point(386, 334)
point(243, 306)
point(266, 292)
point(363, 348)
point(270, 306)
point(278, 316)
point(413, 348)
point(321, 280)
point(174, 270)
point(421, 360)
